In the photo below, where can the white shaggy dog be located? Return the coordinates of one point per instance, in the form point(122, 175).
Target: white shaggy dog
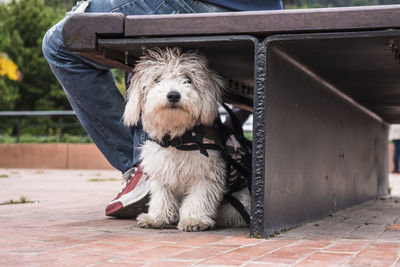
point(172, 92)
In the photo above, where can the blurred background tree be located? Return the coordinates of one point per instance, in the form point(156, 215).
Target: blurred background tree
point(22, 26)
point(8, 90)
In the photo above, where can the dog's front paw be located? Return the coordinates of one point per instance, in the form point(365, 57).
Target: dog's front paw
point(145, 220)
point(191, 224)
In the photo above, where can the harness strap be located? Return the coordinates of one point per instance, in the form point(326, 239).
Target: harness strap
point(194, 139)
point(237, 130)
point(238, 167)
point(239, 207)
point(237, 126)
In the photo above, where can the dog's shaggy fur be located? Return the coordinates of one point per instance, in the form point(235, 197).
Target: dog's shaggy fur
point(186, 187)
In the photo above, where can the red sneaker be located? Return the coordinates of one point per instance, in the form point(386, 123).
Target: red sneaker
point(133, 199)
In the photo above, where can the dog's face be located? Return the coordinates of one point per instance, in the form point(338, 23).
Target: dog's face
point(173, 92)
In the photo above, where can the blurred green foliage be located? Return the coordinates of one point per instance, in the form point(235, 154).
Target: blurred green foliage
point(29, 138)
point(119, 77)
point(22, 26)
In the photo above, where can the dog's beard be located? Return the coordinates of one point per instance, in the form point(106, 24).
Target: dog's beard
point(172, 119)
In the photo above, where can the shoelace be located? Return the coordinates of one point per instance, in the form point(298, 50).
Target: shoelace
point(128, 178)
point(132, 174)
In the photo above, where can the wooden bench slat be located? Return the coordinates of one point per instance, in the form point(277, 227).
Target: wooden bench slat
point(265, 22)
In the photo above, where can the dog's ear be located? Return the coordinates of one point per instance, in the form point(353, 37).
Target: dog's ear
point(217, 85)
point(133, 102)
point(143, 75)
point(208, 83)
point(212, 96)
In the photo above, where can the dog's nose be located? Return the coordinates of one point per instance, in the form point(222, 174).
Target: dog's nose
point(173, 96)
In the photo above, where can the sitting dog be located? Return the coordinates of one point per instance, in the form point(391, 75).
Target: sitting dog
point(173, 93)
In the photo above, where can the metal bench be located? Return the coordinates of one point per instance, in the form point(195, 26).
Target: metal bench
point(323, 85)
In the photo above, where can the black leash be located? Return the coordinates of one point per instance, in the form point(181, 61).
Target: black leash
point(239, 207)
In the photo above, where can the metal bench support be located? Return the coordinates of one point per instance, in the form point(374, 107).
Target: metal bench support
point(316, 150)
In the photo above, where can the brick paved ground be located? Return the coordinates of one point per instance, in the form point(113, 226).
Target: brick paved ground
point(66, 226)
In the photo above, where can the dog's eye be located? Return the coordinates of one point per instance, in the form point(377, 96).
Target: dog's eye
point(158, 79)
point(187, 80)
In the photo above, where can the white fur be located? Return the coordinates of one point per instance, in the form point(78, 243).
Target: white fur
point(186, 187)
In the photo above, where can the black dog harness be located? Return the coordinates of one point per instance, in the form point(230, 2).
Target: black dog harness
point(200, 138)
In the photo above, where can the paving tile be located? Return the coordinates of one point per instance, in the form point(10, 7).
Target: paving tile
point(339, 229)
point(241, 240)
point(38, 261)
point(202, 253)
point(62, 254)
point(325, 259)
point(377, 254)
point(394, 227)
point(272, 244)
point(119, 251)
point(159, 252)
point(367, 232)
point(30, 246)
point(265, 265)
point(241, 255)
point(170, 264)
point(135, 259)
point(287, 255)
point(390, 235)
point(300, 232)
point(314, 243)
point(125, 240)
point(14, 259)
point(174, 236)
point(383, 218)
point(83, 260)
point(96, 246)
point(67, 240)
point(113, 264)
point(201, 240)
point(349, 212)
point(237, 256)
point(347, 246)
point(47, 259)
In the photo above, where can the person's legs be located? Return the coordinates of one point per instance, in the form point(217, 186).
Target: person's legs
point(90, 87)
point(92, 93)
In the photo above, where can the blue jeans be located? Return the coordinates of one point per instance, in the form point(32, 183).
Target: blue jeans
point(90, 86)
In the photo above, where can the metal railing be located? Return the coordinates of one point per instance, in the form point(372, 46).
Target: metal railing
point(60, 124)
point(17, 120)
